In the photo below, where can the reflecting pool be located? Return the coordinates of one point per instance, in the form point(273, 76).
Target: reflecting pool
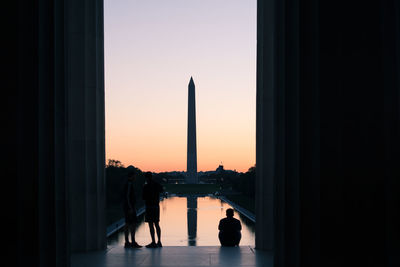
point(189, 221)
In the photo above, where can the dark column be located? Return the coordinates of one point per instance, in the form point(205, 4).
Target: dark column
point(43, 122)
point(37, 145)
point(328, 132)
point(86, 143)
point(391, 72)
point(265, 126)
point(356, 77)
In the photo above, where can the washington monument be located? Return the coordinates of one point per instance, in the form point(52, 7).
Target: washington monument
point(191, 172)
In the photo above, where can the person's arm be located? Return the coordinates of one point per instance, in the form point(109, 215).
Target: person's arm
point(239, 225)
point(130, 205)
point(144, 196)
point(160, 188)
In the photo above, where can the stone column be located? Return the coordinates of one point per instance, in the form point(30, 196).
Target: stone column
point(56, 144)
point(265, 126)
point(37, 144)
point(391, 48)
point(328, 132)
point(86, 142)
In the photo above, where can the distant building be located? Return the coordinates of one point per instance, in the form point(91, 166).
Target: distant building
point(220, 169)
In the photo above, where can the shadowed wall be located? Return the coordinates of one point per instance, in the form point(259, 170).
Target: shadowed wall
point(328, 132)
point(57, 142)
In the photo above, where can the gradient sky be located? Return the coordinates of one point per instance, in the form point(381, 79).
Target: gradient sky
point(152, 48)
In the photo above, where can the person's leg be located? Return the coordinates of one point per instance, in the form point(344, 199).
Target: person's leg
point(132, 230)
point(153, 242)
point(151, 226)
point(126, 231)
point(134, 244)
point(158, 229)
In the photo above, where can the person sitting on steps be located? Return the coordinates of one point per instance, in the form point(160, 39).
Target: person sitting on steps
point(229, 230)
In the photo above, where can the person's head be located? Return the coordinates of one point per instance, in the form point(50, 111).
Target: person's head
point(131, 176)
point(229, 213)
point(148, 176)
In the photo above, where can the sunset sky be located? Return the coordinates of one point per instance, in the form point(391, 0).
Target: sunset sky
point(152, 48)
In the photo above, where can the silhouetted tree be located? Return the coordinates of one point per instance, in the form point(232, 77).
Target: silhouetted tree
point(114, 163)
point(245, 182)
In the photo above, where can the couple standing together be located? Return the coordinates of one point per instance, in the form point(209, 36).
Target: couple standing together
point(151, 196)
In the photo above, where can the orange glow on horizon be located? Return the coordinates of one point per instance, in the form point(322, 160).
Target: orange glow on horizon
point(152, 48)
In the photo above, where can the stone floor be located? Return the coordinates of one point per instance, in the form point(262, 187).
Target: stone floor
point(174, 256)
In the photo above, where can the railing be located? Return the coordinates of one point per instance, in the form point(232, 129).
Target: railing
point(114, 227)
point(240, 209)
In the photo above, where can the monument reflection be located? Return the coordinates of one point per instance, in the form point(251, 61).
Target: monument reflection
point(192, 220)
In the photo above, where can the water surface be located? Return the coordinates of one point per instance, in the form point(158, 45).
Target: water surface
point(189, 221)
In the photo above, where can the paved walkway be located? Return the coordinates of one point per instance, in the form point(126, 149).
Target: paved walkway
point(174, 256)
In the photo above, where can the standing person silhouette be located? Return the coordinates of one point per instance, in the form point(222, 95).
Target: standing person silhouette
point(151, 196)
point(130, 211)
point(229, 230)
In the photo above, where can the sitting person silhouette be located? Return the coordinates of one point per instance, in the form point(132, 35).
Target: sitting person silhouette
point(229, 230)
